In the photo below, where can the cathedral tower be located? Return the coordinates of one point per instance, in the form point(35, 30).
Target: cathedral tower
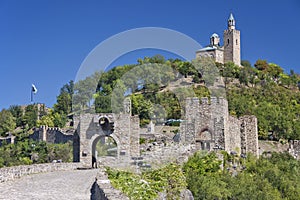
point(232, 45)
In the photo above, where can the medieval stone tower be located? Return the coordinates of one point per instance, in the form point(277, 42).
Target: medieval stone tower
point(208, 126)
point(232, 47)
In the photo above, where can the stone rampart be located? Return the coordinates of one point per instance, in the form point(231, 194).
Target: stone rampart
point(51, 135)
point(209, 125)
point(11, 173)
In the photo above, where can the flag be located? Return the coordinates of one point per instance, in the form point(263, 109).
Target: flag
point(33, 89)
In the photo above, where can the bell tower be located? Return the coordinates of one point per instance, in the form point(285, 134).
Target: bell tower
point(232, 46)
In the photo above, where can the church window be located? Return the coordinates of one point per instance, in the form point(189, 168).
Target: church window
point(227, 41)
point(236, 42)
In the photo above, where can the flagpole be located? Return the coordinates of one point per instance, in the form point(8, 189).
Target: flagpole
point(31, 96)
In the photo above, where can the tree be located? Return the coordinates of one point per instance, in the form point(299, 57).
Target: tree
point(274, 71)
point(141, 107)
point(7, 122)
point(261, 65)
point(84, 91)
point(17, 112)
point(230, 72)
point(30, 116)
point(103, 103)
point(64, 99)
point(53, 119)
point(243, 78)
point(46, 120)
point(246, 63)
point(208, 70)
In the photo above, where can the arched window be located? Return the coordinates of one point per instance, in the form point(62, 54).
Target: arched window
point(236, 41)
point(227, 41)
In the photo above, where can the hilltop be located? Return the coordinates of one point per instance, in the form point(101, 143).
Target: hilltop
point(263, 90)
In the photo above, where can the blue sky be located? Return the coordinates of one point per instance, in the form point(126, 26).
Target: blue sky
point(45, 42)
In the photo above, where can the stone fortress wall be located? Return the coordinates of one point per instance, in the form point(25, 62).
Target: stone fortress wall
point(51, 135)
point(123, 128)
point(209, 126)
point(11, 173)
point(47, 134)
point(206, 126)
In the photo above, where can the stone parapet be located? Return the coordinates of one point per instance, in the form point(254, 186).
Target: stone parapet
point(11, 173)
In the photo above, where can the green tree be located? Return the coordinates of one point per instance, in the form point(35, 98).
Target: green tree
point(7, 122)
point(17, 112)
point(141, 107)
point(208, 70)
point(64, 103)
point(53, 119)
point(84, 91)
point(230, 71)
point(30, 116)
point(261, 65)
point(246, 63)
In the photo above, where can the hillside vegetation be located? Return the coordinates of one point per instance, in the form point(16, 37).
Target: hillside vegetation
point(158, 88)
point(273, 177)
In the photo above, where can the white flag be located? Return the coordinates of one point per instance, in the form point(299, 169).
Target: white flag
point(33, 89)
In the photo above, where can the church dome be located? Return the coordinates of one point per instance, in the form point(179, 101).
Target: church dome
point(214, 35)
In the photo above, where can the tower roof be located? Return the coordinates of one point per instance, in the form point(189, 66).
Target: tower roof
point(214, 35)
point(231, 22)
point(231, 17)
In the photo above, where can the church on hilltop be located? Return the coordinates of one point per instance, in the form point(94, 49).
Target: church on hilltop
point(231, 49)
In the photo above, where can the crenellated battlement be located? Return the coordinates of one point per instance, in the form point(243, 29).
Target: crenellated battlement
point(208, 125)
point(51, 135)
point(207, 101)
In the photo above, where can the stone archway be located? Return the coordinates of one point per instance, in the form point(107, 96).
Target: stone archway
point(122, 127)
point(94, 141)
point(205, 140)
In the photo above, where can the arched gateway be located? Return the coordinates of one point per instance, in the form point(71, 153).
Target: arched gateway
point(122, 127)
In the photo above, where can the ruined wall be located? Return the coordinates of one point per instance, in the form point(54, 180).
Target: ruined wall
point(219, 110)
point(233, 135)
point(122, 127)
point(205, 117)
point(122, 132)
point(11, 173)
point(135, 136)
point(187, 128)
point(84, 131)
point(51, 135)
point(208, 125)
point(249, 135)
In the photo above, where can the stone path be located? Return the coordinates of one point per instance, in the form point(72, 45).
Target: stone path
point(61, 185)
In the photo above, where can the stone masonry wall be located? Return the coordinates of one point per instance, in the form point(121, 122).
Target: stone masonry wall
point(135, 136)
point(11, 173)
point(233, 136)
point(122, 127)
point(51, 135)
point(208, 125)
point(232, 50)
point(249, 131)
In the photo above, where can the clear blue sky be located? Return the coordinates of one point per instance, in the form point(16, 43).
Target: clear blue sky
point(44, 42)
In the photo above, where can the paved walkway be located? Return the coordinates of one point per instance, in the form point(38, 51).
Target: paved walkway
point(53, 185)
